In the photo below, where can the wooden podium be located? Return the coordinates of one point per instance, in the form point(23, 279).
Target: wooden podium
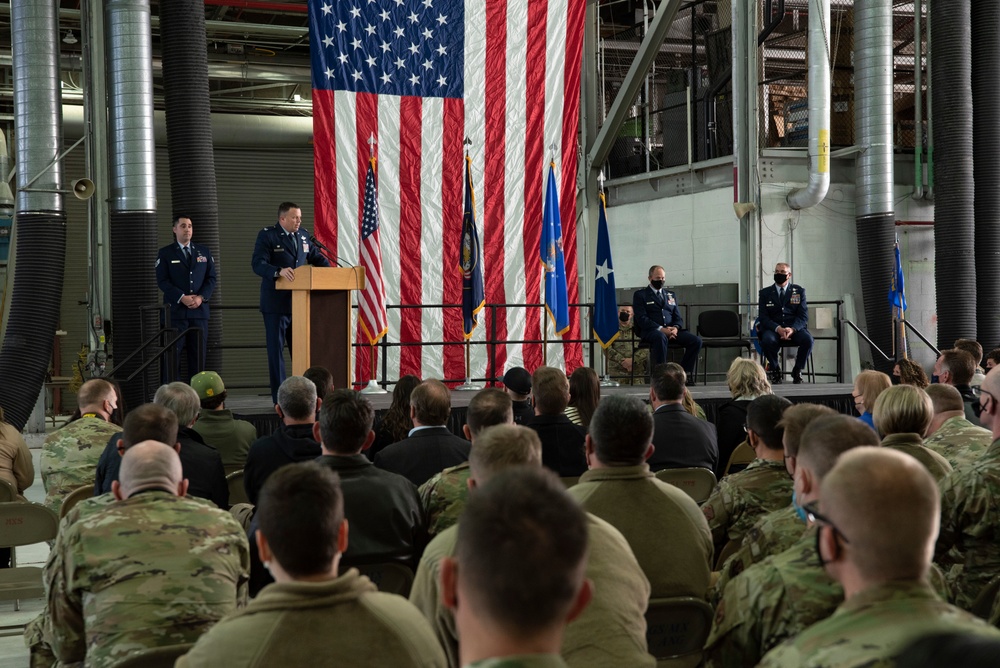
point(321, 319)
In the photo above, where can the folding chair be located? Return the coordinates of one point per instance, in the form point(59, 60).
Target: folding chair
point(720, 329)
point(676, 630)
point(390, 576)
point(7, 491)
point(237, 492)
point(75, 497)
point(697, 482)
point(742, 456)
point(155, 657)
point(24, 524)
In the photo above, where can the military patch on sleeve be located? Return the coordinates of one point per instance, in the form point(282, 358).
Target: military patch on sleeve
point(709, 512)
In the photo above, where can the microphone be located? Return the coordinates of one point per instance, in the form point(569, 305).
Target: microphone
point(329, 253)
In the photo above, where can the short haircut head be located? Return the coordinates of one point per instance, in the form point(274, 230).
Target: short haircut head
point(763, 415)
point(652, 269)
point(665, 384)
point(487, 408)
point(994, 355)
point(960, 364)
point(177, 218)
point(945, 398)
point(297, 398)
point(621, 430)
point(149, 465)
point(746, 378)
point(321, 378)
point(550, 388)
point(903, 409)
point(300, 511)
point(181, 399)
point(285, 207)
point(93, 392)
point(826, 438)
point(911, 373)
point(431, 402)
point(674, 369)
point(870, 384)
point(149, 422)
point(972, 347)
point(888, 507)
point(521, 550)
point(345, 420)
point(794, 421)
point(501, 447)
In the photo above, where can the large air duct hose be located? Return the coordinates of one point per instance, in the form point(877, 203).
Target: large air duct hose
point(189, 138)
point(986, 148)
point(954, 191)
point(874, 208)
point(40, 216)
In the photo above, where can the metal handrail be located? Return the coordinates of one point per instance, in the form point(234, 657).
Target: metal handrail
point(923, 338)
point(868, 340)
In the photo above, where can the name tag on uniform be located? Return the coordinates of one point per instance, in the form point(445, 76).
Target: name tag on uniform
point(175, 262)
point(770, 304)
point(202, 258)
point(795, 299)
point(650, 303)
point(277, 248)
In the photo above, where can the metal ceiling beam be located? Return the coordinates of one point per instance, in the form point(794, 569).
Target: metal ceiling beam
point(260, 6)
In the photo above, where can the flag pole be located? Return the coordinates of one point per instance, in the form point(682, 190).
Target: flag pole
point(373, 387)
point(606, 380)
point(468, 385)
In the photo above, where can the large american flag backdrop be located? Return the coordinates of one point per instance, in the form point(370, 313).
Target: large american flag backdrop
point(421, 75)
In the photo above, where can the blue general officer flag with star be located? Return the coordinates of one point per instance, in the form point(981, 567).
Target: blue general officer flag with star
point(897, 293)
point(605, 304)
point(556, 300)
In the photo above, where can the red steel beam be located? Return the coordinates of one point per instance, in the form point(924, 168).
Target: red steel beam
point(260, 6)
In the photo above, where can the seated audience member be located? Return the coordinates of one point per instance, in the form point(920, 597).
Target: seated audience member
point(911, 373)
point(778, 530)
point(784, 594)
point(739, 500)
point(612, 631)
point(956, 367)
point(512, 599)
point(968, 549)
point(216, 424)
point(152, 569)
point(430, 447)
point(975, 349)
point(867, 386)
point(292, 442)
point(70, 454)
point(902, 415)
point(689, 404)
point(681, 439)
point(396, 424)
point(747, 380)
point(302, 537)
point(443, 497)
point(200, 462)
point(16, 466)
point(322, 379)
point(882, 564)
point(950, 434)
point(584, 395)
point(562, 441)
point(517, 383)
point(992, 359)
point(663, 526)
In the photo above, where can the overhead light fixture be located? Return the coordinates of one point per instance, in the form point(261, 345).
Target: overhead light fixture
point(70, 38)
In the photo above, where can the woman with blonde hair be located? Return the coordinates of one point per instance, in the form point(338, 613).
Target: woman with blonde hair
point(902, 415)
point(747, 381)
point(867, 386)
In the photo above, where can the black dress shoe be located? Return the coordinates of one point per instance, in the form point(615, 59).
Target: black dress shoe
point(775, 377)
point(796, 377)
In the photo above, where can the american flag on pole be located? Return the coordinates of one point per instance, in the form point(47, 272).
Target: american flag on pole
point(421, 75)
point(371, 303)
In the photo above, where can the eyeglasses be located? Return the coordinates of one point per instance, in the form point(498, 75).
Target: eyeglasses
point(813, 515)
point(977, 406)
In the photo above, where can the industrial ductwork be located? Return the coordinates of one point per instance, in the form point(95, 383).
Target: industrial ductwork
point(132, 204)
point(820, 98)
point(874, 208)
point(954, 192)
point(40, 216)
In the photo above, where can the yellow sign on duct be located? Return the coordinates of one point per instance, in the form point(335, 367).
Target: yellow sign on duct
point(823, 163)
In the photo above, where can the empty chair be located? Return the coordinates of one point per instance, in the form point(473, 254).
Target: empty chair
point(676, 629)
point(721, 329)
point(24, 524)
point(696, 482)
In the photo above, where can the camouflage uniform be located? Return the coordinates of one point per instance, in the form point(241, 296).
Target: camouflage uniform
point(773, 533)
point(873, 626)
point(967, 548)
point(69, 457)
point(522, 661)
point(913, 445)
point(959, 441)
point(152, 570)
point(771, 601)
point(740, 499)
point(620, 350)
point(443, 497)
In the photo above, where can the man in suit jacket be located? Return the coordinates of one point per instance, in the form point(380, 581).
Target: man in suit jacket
point(563, 448)
point(278, 251)
point(430, 448)
point(659, 321)
point(680, 439)
point(784, 318)
point(185, 272)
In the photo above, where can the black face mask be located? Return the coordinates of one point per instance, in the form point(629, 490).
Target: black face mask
point(657, 285)
point(819, 554)
point(780, 278)
point(623, 316)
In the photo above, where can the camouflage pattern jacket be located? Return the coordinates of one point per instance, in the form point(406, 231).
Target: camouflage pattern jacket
point(622, 349)
point(913, 445)
point(740, 499)
point(522, 661)
point(69, 457)
point(959, 441)
point(443, 497)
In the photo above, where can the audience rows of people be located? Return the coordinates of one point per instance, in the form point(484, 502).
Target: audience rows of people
point(537, 539)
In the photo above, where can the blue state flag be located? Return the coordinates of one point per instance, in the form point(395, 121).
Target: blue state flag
point(553, 262)
point(897, 293)
point(471, 260)
point(605, 304)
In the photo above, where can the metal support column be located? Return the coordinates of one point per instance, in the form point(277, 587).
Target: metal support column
point(745, 134)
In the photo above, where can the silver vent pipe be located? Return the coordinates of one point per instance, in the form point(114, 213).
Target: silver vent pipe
point(820, 98)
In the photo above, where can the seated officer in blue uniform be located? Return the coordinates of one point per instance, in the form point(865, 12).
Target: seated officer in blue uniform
point(185, 272)
point(279, 249)
point(784, 317)
point(659, 322)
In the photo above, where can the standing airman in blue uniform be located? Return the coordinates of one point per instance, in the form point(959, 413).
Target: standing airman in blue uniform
point(784, 318)
point(659, 323)
point(279, 249)
point(185, 272)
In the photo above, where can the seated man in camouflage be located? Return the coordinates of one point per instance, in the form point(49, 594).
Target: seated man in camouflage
point(782, 595)
point(627, 363)
point(151, 569)
point(740, 499)
point(950, 434)
point(70, 454)
point(876, 524)
point(443, 497)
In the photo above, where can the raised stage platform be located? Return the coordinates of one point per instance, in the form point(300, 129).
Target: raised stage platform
point(259, 410)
